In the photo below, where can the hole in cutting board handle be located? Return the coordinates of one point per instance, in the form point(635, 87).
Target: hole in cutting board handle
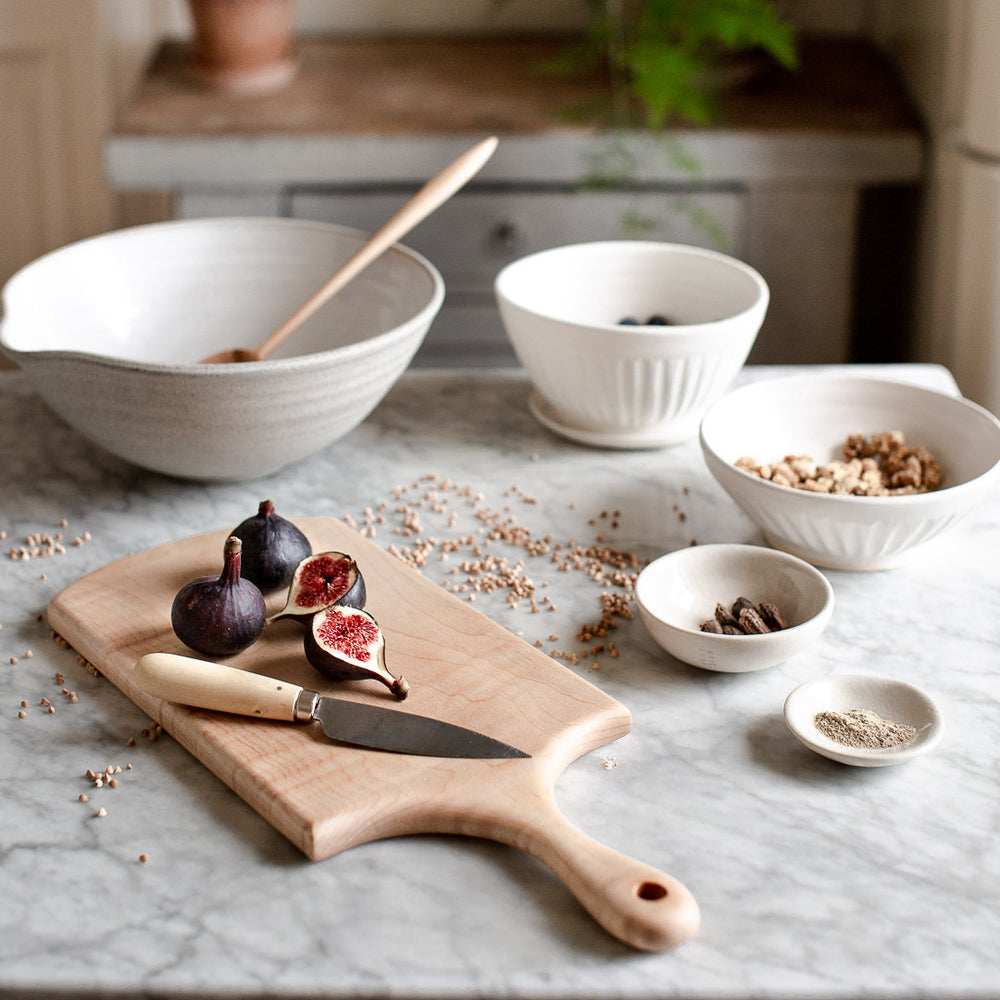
point(651, 890)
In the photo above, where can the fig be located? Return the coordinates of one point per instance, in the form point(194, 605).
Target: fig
point(320, 581)
point(219, 616)
point(346, 643)
point(272, 548)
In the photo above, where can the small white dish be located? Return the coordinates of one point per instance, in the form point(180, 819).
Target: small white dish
point(891, 699)
point(680, 590)
point(653, 437)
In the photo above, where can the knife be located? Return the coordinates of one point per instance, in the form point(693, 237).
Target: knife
point(203, 684)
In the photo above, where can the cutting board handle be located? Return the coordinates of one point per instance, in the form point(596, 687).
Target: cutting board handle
point(634, 902)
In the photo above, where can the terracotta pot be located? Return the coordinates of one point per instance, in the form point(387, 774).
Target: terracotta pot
point(244, 46)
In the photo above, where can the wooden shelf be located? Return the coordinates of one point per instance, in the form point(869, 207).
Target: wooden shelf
point(420, 86)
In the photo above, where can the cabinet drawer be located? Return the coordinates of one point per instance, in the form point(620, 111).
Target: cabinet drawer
point(470, 238)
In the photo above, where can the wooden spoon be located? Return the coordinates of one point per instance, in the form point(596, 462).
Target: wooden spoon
point(433, 194)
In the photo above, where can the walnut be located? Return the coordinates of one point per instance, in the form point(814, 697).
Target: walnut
point(879, 465)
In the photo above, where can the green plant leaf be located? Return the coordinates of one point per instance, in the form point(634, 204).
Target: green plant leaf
point(664, 79)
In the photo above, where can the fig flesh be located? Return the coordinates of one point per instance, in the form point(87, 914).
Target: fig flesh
point(272, 548)
point(346, 643)
point(320, 581)
point(220, 616)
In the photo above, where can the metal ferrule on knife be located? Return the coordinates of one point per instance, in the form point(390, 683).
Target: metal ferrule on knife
point(305, 705)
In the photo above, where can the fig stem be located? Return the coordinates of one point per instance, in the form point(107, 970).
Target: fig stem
point(232, 556)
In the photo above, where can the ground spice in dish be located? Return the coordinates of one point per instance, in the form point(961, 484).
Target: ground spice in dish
point(863, 728)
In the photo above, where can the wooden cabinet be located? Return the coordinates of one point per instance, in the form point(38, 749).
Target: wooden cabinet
point(783, 184)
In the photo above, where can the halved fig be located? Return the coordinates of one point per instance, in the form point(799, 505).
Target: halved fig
point(320, 581)
point(346, 643)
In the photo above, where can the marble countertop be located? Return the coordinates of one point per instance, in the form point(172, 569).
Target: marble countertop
point(815, 880)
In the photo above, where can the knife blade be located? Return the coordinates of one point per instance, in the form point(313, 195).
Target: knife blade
point(203, 684)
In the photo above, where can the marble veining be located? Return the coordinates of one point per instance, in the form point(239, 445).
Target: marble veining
point(814, 879)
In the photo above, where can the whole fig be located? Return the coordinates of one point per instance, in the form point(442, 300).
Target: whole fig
point(347, 644)
point(272, 548)
point(220, 616)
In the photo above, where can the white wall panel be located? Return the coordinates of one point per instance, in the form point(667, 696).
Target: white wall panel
point(980, 123)
point(975, 299)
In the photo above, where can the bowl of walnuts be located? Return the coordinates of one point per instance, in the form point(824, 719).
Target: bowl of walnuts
point(851, 471)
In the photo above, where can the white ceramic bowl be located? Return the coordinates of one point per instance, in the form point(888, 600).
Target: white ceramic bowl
point(678, 591)
point(813, 415)
point(109, 331)
point(890, 699)
point(603, 383)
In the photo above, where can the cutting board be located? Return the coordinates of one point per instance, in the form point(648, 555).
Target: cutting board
point(462, 667)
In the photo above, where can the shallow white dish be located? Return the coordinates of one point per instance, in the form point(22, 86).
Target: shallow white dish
point(813, 414)
point(645, 384)
point(678, 591)
point(109, 331)
point(893, 700)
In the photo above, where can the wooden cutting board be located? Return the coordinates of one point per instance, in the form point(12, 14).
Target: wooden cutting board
point(462, 668)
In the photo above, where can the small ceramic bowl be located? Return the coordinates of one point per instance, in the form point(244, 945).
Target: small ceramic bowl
point(630, 386)
point(110, 331)
point(891, 700)
point(680, 590)
point(813, 415)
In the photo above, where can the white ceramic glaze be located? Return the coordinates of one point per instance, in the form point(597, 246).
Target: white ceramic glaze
point(649, 384)
point(678, 591)
point(110, 330)
point(894, 700)
point(813, 415)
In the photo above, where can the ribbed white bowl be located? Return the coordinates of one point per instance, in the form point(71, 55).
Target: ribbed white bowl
point(109, 331)
point(561, 309)
point(813, 415)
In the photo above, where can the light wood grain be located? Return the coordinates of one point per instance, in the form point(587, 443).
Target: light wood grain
point(462, 667)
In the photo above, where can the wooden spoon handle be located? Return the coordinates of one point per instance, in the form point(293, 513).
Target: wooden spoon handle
point(433, 194)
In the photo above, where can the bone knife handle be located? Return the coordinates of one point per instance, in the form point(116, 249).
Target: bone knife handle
point(203, 684)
